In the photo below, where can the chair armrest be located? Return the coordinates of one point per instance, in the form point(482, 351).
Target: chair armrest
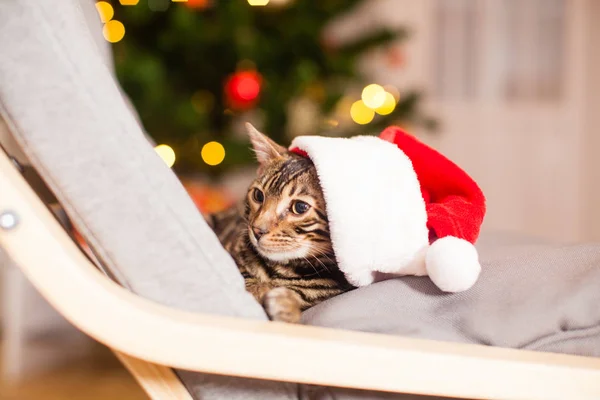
point(248, 348)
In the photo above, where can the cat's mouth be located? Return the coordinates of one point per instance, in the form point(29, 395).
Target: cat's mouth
point(276, 251)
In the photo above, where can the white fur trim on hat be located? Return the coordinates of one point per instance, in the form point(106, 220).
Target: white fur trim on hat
point(376, 212)
point(452, 264)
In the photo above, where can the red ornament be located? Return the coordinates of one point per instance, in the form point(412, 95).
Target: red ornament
point(198, 4)
point(242, 89)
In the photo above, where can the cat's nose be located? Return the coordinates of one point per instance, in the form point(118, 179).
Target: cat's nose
point(258, 233)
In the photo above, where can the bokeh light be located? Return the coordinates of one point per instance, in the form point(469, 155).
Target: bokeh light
point(244, 86)
point(105, 10)
point(129, 2)
point(388, 105)
point(258, 2)
point(213, 153)
point(360, 113)
point(248, 89)
point(197, 4)
point(166, 153)
point(373, 96)
point(113, 31)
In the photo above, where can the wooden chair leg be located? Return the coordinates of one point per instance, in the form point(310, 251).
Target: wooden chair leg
point(159, 382)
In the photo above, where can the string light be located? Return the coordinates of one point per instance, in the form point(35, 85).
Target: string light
point(373, 96)
point(242, 89)
point(113, 31)
point(258, 2)
point(360, 113)
point(247, 88)
point(166, 153)
point(213, 153)
point(105, 10)
point(388, 105)
point(197, 4)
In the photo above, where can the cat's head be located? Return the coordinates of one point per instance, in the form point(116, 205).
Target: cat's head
point(285, 210)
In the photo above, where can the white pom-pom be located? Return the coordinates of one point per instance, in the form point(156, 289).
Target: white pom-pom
point(452, 264)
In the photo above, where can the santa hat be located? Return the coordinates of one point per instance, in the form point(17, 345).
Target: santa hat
point(396, 206)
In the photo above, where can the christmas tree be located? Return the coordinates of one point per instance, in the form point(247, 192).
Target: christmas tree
point(197, 70)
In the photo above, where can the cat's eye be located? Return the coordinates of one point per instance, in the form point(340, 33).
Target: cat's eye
point(300, 207)
point(258, 195)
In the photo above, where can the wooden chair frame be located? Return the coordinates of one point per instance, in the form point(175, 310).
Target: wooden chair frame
point(150, 339)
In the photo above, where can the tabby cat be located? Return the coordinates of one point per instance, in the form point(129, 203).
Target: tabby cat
point(279, 235)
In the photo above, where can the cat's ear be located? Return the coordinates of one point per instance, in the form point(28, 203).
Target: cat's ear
point(265, 149)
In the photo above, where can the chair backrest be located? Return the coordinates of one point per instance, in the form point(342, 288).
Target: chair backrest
point(63, 107)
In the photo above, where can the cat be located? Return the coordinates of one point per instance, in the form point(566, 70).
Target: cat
point(279, 234)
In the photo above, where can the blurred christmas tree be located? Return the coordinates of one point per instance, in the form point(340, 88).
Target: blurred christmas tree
point(197, 70)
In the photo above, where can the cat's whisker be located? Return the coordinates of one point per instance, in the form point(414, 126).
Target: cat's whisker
point(324, 266)
point(319, 253)
point(313, 267)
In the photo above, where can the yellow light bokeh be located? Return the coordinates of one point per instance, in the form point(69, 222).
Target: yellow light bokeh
point(213, 153)
point(129, 2)
point(105, 10)
point(373, 96)
point(113, 31)
point(360, 113)
point(166, 153)
point(388, 105)
point(258, 2)
point(179, 1)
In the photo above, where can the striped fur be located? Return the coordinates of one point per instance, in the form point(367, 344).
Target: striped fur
point(292, 266)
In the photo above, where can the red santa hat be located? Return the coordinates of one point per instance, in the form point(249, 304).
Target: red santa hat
point(396, 206)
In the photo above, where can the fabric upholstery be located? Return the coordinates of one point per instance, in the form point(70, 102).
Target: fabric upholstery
point(530, 295)
point(63, 106)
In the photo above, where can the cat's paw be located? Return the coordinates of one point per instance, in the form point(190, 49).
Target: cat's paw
point(282, 304)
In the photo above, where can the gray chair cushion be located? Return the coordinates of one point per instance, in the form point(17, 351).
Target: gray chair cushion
point(530, 295)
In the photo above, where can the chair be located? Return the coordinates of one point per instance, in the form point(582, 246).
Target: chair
point(158, 289)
